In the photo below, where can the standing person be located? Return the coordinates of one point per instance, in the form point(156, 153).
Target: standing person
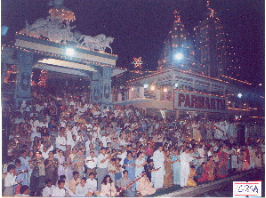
point(24, 158)
point(140, 163)
point(51, 166)
point(223, 157)
point(158, 160)
point(78, 162)
point(10, 181)
point(129, 164)
point(37, 180)
point(185, 159)
point(149, 167)
point(61, 162)
point(22, 172)
point(168, 178)
point(196, 131)
point(176, 167)
point(61, 140)
point(91, 163)
point(102, 164)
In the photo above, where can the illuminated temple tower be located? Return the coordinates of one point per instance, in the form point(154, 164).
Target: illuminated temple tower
point(214, 50)
point(177, 42)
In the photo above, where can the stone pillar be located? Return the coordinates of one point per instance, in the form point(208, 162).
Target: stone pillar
point(177, 114)
point(107, 86)
point(141, 94)
point(96, 88)
point(101, 90)
point(23, 84)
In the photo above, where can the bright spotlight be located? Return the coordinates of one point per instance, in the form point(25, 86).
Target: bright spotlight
point(70, 51)
point(165, 90)
point(179, 56)
point(176, 85)
point(239, 95)
point(152, 87)
point(146, 86)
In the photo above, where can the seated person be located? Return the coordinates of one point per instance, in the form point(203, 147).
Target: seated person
point(92, 184)
point(82, 189)
point(48, 189)
point(126, 185)
point(108, 188)
point(145, 187)
point(191, 181)
point(24, 191)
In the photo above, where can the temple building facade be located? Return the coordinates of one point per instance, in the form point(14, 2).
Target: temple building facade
point(195, 75)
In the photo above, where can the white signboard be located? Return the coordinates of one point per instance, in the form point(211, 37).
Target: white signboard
point(250, 189)
point(198, 102)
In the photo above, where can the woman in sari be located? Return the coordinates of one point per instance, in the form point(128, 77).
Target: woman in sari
point(246, 159)
point(168, 178)
point(223, 157)
point(210, 166)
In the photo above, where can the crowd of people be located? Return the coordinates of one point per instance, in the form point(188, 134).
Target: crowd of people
point(62, 145)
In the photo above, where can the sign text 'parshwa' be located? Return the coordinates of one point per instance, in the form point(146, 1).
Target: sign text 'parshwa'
point(192, 101)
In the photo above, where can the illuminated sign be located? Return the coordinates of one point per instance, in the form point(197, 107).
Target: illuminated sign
point(199, 102)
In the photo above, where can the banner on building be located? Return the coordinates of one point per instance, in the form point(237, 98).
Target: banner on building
point(199, 102)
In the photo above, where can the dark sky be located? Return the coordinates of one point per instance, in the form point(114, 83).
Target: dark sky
point(140, 26)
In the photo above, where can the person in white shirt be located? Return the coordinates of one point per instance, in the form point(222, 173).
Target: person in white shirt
point(102, 164)
point(185, 159)
point(48, 189)
point(158, 176)
point(82, 188)
point(10, 181)
point(61, 141)
point(91, 162)
point(92, 184)
point(59, 190)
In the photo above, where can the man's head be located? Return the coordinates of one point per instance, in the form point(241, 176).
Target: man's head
point(61, 184)
point(125, 173)
point(51, 154)
point(75, 175)
point(103, 150)
point(48, 183)
point(17, 162)
point(91, 175)
point(83, 181)
point(11, 168)
point(38, 154)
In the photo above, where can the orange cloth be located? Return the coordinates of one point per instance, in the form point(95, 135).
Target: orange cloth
point(191, 181)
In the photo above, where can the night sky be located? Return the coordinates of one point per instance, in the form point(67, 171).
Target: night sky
point(140, 26)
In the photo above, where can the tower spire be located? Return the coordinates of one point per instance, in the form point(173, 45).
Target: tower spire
point(177, 16)
point(211, 10)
